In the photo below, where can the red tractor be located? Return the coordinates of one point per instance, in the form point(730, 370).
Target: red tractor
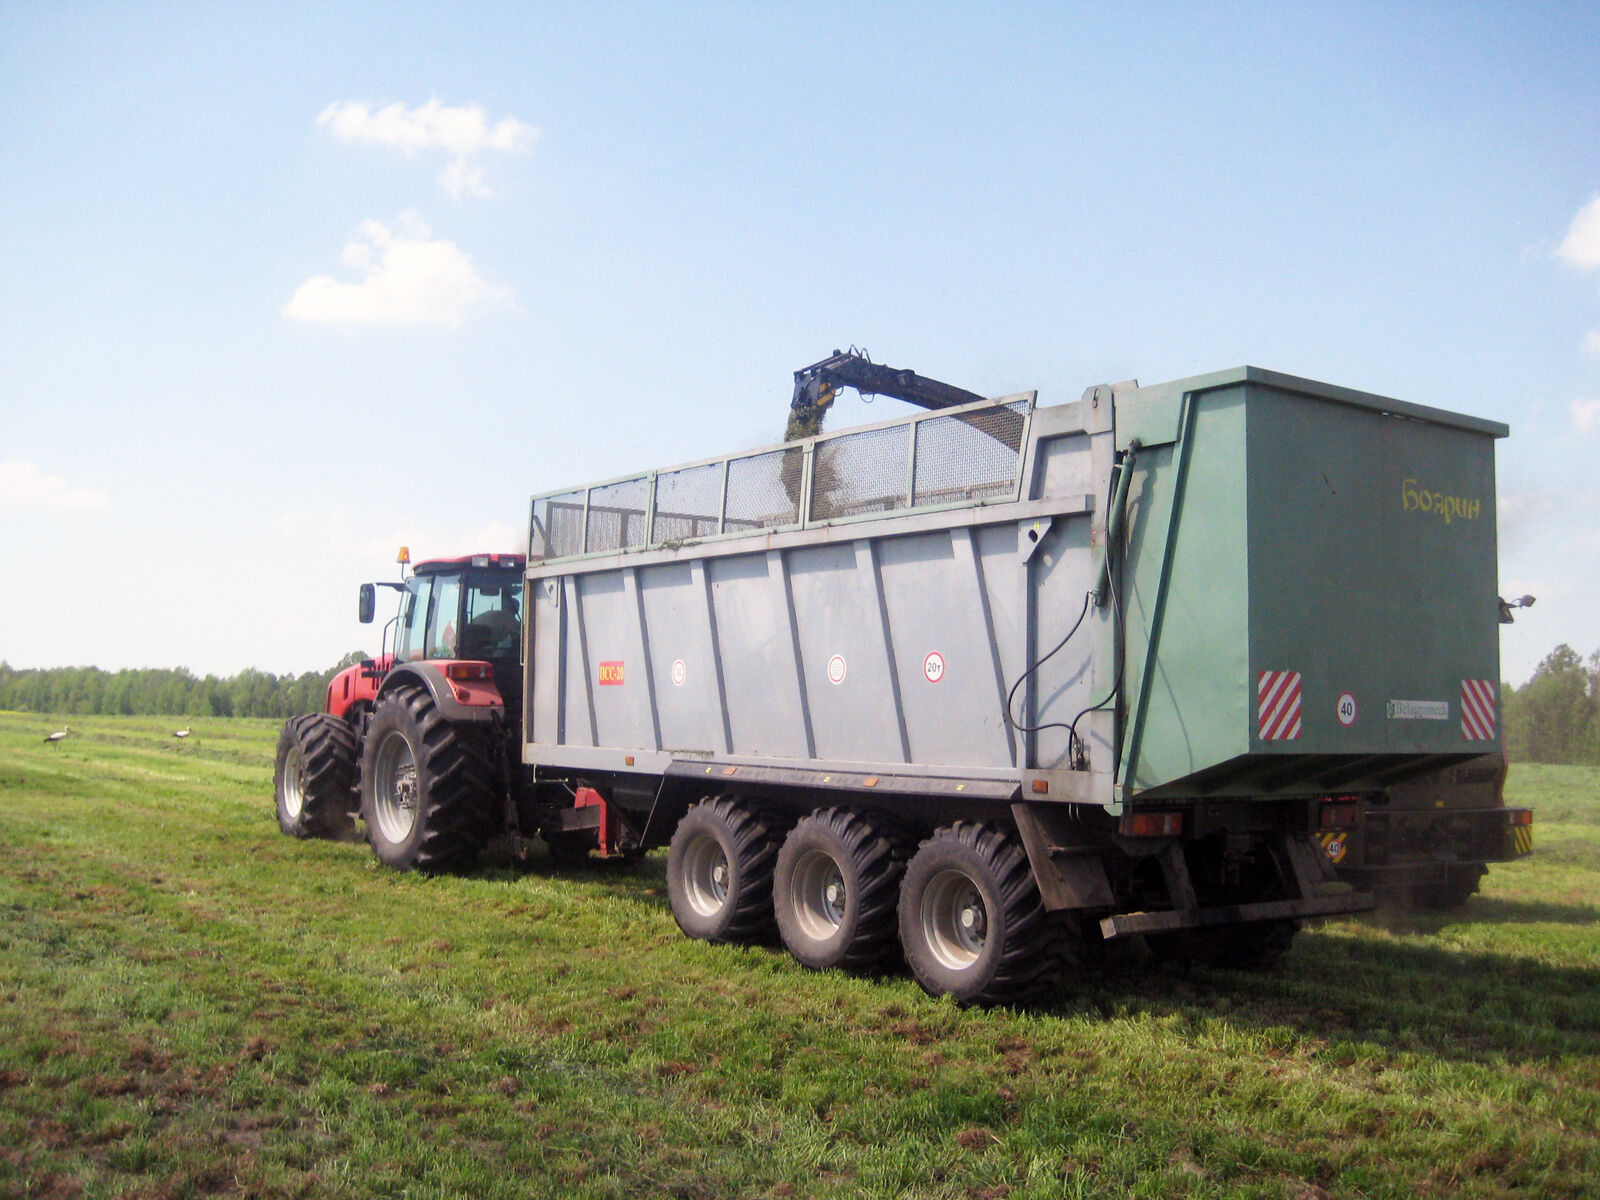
point(421, 741)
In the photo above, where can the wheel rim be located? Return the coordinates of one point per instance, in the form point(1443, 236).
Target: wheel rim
point(955, 920)
point(394, 788)
point(706, 875)
point(818, 895)
point(294, 798)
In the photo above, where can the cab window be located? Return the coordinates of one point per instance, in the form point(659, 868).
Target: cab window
point(494, 619)
point(444, 619)
point(413, 620)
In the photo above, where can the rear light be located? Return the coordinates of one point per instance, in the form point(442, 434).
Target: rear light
point(1339, 814)
point(468, 670)
point(1151, 824)
point(1522, 816)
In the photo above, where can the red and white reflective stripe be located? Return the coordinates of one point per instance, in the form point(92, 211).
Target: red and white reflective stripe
point(1278, 705)
point(1479, 719)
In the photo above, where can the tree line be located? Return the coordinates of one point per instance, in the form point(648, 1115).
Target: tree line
point(161, 691)
point(1555, 716)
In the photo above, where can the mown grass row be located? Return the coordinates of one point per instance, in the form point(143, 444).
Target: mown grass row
point(195, 1005)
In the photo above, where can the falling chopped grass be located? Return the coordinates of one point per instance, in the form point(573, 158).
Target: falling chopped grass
point(193, 1005)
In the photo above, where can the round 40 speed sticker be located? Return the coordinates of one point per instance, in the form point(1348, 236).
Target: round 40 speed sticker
point(1346, 709)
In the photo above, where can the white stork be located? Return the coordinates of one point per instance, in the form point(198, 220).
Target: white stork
point(181, 733)
point(55, 737)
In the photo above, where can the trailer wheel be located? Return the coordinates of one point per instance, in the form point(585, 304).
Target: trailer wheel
point(835, 889)
point(1252, 946)
point(314, 777)
point(1458, 886)
point(719, 872)
point(972, 923)
point(428, 792)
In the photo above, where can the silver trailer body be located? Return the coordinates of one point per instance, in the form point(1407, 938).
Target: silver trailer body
point(855, 611)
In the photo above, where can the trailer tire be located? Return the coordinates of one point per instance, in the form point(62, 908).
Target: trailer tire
point(1251, 946)
point(972, 923)
point(428, 793)
point(1458, 886)
point(314, 777)
point(835, 890)
point(719, 872)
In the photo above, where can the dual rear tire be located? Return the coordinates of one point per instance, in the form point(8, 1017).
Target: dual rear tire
point(428, 789)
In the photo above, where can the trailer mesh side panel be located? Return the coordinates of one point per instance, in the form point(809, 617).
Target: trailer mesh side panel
point(764, 490)
point(688, 503)
point(865, 472)
point(616, 516)
point(965, 457)
point(970, 457)
point(557, 526)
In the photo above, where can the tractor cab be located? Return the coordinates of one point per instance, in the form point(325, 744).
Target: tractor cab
point(452, 610)
point(462, 608)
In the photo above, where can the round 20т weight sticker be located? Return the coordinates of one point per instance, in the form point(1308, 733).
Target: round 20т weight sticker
point(933, 667)
point(1346, 709)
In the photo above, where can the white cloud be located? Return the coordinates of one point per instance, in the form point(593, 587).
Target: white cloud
point(460, 180)
point(1581, 247)
point(1585, 415)
point(461, 130)
point(1519, 514)
point(408, 278)
point(24, 485)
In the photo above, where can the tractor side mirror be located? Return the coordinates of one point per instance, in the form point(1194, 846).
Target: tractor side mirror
point(368, 604)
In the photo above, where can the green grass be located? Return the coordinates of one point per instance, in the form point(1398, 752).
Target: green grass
point(192, 1004)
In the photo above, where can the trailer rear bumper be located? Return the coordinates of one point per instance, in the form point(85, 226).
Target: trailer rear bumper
point(1398, 839)
point(1126, 924)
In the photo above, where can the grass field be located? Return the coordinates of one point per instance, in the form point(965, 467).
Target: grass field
point(192, 1004)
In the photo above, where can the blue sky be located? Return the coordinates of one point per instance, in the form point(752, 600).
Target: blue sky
point(284, 287)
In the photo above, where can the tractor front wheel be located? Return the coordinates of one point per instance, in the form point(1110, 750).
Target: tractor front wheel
point(428, 793)
point(314, 777)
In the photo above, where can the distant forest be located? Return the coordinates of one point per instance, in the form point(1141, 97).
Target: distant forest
point(179, 692)
point(1553, 718)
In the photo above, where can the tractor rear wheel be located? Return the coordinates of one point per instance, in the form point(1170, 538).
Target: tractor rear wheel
point(314, 777)
point(835, 889)
point(972, 923)
point(719, 872)
point(428, 791)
